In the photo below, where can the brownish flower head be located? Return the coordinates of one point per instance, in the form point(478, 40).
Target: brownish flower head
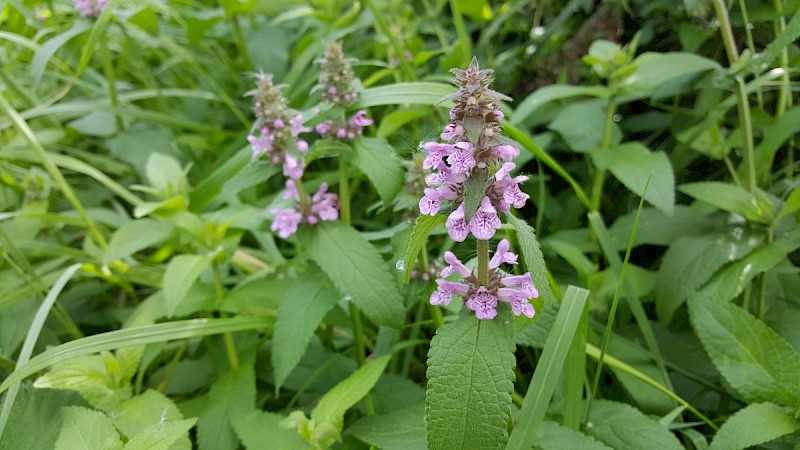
point(336, 78)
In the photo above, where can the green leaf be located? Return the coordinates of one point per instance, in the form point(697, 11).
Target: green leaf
point(136, 144)
point(166, 175)
point(87, 429)
point(343, 396)
point(581, 125)
point(755, 424)
point(689, 262)
point(142, 411)
point(632, 163)
point(181, 273)
point(88, 375)
point(548, 369)
point(552, 436)
point(419, 237)
point(134, 236)
point(48, 49)
point(358, 270)
point(255, 173)
point(731, 198)
point(307, 301)
point(35, 421)
point(399, 430)
point(656, 70)
point(378, 160)
point(160, 436)
point(422, 93)
point(325, 148)
point(547, 94)
point(756, 361)
point(792, 204)
point(474, 190)
point(150, 334)
point(532, 255)
point(396, 119)
point(255, 428)
point(232, 394)
point(470, 379)
point(623, 427)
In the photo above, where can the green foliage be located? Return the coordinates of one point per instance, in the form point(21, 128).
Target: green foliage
point(633, 164)
point(233, 393)
point(623, 427)
point(469, 383)
point(755, 424)
point(376, 158)
point(86, 429)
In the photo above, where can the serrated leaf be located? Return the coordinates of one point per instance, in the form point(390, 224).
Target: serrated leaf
point(623, 427)
point(399, 430)
point(255, 173)
point(474, 189)
point(87, 429)
point(255, 428)
point(326, 148)
point(731, 198)
point(755, 424)
point(756, 361)
point(304, 306)
point(181, 273)
point(139, 412)
point(470, 379)
point(552, 436)
point(534, 259)
point(689, 262)
point(632, 163)
point(378, 160)
point(35, 421)
point(134, 236)
point(88, 375)
point(160, 436)
point(358, 270)
point(419, 236)
point(233, 393)
point(422, 93)
point(343, 396)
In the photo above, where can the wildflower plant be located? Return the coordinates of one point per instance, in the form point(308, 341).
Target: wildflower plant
point(90, 8)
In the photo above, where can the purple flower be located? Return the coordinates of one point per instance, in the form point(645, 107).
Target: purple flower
point(325, 127)
point(359, 119)
point(324, 204)
point(485, 221)
point(293, 167)
point(286, 221)
point(444, 294)
point(436, 152)
point(454, 265)
point(456, 227)
point(483, 303)
point(502, 255)
point(462, 160)
point(89, 8)
point(261, 144)
point(505, 152)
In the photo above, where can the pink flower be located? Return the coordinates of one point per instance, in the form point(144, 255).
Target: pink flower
point(456, 227)
point(261, 144)
point(485, 221)
point(483, 303)
point(505, 152)
point(286, 221)
point(462, 160)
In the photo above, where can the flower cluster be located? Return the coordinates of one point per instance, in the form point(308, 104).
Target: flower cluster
point(473, 148)
point(279, 129)
point(353, 129)
point(336, 78)
point(483, 298)
point(323, 205)
point(90, 8)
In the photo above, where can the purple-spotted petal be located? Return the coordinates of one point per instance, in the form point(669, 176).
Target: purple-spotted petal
point(483, 303)
point(456, 227)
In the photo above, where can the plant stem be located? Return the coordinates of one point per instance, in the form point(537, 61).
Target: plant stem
point(605, 143)
point(483, 262)
point(751, 45)
point(238, 38)
point(784, 94)
point(344, 192)
point(108, 70)
point(727, 31)
point(747, 129)
point(230, 347)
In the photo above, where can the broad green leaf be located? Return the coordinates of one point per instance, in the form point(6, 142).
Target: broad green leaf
point(470, 379)
point(378, 160)
point(474, 190)
point(547, 94)
point(325, 148)
point(755, 424)
point(181, 273)
point(166, 175)
point(142, 335)
point(774, 135)
point(581, 126)
point(35, 421)
point(633, 163)
point(756, 361)
point(232, 394)
point(532, 255)
point(623, 427)
point(399, 430)
point(160, 436)
point(422, 93)
point(134, 236)
point(552, 436)
point(304, 306)
point(48, 49)
point(140, 412)
point(689, 262)
point(91, 378)
point(255, 428)
point(419, 237)
point(96, 123)
point(656, 70)
point(548, 369)
point(86, 429)
point(358, 270)
point(792, 204)
point(396, 119)
point(136, 144)
point(255, 173)
point(337, 401)
point(731, 198)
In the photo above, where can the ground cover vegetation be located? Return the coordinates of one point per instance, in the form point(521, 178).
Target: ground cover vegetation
point(397, 225)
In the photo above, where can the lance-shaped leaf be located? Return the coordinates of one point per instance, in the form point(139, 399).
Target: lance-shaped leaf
point(377, 159)
point(419, 236)
point(532, 254)
point(470, 379)
point(753, 425)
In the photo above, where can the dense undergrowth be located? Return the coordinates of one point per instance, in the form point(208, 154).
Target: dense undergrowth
point(251, 224)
